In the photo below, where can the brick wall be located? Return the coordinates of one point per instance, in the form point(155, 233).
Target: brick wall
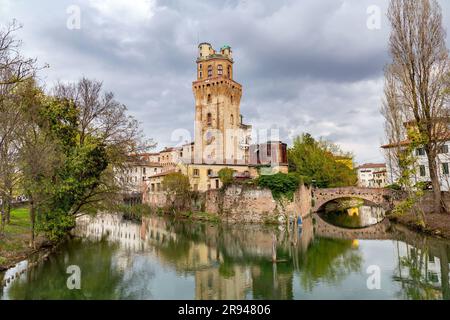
point(156, 199)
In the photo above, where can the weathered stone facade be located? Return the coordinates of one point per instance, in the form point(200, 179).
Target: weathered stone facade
point(251, 204)
point(156, 199)
point(240, 203)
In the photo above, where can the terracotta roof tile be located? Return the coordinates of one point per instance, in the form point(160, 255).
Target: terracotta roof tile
point(372, 165)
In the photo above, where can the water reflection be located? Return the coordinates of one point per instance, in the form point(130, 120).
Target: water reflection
point(166, 259)
point(352, 213)
point(423, 269)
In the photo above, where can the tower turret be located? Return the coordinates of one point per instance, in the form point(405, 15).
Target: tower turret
point(226, 51)
point(205, 49)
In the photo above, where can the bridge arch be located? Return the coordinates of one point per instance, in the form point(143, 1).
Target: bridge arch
point(322, 196)
point(367, 200)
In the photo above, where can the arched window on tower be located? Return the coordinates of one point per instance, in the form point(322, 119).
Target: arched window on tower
point(232, 119)
point(210, 69)
point(229, 72)
point(219, 70)
point(209, 99)
point(209, 119)
point(231, 99)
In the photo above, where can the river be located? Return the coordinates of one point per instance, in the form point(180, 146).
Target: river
point(163, 258)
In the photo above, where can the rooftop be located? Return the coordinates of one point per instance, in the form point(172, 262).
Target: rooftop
point(162, 174)
point(444, 137)
point(214, 56)
point(371, 165)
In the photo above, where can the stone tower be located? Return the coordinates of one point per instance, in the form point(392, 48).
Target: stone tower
point(220, 135)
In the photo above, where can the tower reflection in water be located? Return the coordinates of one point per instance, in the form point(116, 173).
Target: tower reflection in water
point(162, 258)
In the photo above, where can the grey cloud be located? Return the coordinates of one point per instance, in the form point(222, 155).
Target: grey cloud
point(305, 65)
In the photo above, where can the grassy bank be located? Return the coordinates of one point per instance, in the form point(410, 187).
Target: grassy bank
point(14, 241)
point(436, 224)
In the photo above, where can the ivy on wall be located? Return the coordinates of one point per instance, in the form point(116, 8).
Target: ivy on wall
point(282, 185)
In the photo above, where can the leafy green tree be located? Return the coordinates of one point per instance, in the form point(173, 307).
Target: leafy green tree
point(58, 181)
point(407, 162)
point(318, 162)
point(226, 176)
point(178, 190)
point(64, 174)
point(63, 149)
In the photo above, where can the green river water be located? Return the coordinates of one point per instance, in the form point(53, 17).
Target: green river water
point(162, 258)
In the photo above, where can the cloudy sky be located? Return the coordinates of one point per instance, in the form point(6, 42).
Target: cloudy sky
point(305, 66)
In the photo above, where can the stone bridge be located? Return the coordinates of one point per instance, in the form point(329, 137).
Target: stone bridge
point(377, 196)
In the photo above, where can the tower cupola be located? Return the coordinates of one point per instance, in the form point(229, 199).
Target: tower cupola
point(226, 51)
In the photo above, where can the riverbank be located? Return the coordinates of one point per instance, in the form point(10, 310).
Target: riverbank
point(14, 242)
point(436, 224)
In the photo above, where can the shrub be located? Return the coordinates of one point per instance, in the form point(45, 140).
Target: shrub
point(226, 176)
point(282, 185)
point(394, 186)
point(423, 185)
point(178, 190)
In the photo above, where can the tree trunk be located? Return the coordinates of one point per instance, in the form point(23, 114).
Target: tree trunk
point(2, 217)
point(8, 208)
point(434, 176)
point(444, 273)
point(33, 220)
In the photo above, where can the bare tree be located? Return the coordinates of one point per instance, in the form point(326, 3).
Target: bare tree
point(419, 65)
point(14, 70)
point(9, 177)
point(395, 131)
point(103, 117)
point(39, 160)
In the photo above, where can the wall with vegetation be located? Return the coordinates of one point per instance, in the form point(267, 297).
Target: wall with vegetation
point(248, 203)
